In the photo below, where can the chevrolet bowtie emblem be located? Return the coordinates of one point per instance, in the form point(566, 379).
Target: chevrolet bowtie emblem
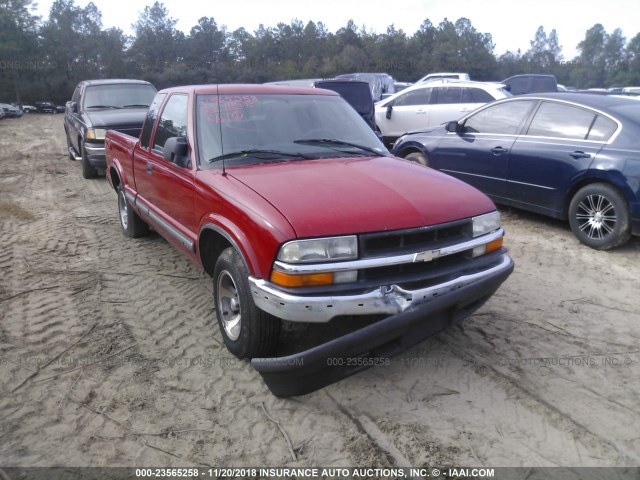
point(426, 256)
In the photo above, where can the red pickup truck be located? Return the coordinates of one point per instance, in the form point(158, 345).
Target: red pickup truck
point(292, 204)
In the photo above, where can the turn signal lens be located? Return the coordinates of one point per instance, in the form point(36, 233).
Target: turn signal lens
point(305, 280)
point(487, 248)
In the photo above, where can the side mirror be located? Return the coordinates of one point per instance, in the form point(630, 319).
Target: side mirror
point(176, 150)
point(72, 107)
point(389, 110)
point(455, 127)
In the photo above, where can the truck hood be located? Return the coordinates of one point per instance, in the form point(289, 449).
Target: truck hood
point(115, 117)
point(356, 195)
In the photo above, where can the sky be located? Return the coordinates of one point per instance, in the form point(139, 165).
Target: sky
point(512, 24)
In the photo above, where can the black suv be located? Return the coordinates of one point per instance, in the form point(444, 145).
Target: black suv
point(531, 83)
point(356, 93)
point(98, 106)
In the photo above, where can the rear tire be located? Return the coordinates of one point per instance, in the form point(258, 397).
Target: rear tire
point(132, 225)
point(247, 331)
point(88, 170)
point(418, 157)
point(599, 217)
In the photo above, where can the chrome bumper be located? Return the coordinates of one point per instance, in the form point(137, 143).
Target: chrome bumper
point(387, 299)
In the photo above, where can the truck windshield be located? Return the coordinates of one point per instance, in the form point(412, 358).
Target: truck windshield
point(123, 95)
point(257, 127)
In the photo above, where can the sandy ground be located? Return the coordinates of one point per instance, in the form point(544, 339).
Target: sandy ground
point(109, 354)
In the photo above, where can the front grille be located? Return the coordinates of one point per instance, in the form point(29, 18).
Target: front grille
point(416, 240)
point(399, 242)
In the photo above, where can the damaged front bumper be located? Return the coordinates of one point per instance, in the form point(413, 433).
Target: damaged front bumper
point(416, 315)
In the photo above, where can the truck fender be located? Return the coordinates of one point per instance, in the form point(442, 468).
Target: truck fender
point(232, 235)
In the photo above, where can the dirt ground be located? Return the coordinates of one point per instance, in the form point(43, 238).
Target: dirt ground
point(109, 354)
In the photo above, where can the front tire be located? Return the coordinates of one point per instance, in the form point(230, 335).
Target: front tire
point(247, 331)
point(132, 225)
point(599, 217)
point(88, 170)
point(418, 157)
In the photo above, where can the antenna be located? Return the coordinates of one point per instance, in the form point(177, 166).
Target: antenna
point(224, 171)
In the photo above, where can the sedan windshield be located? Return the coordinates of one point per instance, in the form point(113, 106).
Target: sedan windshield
point(242, 129)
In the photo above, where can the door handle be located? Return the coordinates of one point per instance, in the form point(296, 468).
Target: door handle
point(149, 167)
point(499, 150)
point(578, 154)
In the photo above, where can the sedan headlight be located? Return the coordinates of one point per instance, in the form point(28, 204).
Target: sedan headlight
point(319, 250)
point(482, 225)
point(95, 134)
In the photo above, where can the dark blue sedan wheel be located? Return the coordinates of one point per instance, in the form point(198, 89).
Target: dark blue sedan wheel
point(418, 157)
point(599, 217)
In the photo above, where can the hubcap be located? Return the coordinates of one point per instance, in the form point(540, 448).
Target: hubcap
point(229, 305)
point(596, 217)
point(122, 209)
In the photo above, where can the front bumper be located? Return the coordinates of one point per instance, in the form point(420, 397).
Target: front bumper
point(95, 154)
point(418, 319)
point(388, 299)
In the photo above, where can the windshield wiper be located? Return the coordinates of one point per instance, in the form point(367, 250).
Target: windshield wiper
point(333, 143)
point(259, 153)
point(102, 106)
point(135, 105)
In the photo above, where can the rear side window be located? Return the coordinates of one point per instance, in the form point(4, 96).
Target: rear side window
point(561, 121)
point(173, 122)
point(446, 95)
point(147, 127)
point(602, 129)
point(414, 97)
point(475, 95)
point(503, 118)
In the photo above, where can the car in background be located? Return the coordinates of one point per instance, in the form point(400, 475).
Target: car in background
point(632, 91)
point(380, 83)
point(46, 107)
point(100, 105)
point(1, 113)
point(10, 111)
point(356, 93)
point(571, 156)
point(300, 82)
point(432, 103)
point(445, 75)
point(29, 109)
point(531, 83)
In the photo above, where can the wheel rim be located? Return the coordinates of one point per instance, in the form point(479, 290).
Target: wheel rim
point(596, 217)
point(229, 305)
point(123, 209)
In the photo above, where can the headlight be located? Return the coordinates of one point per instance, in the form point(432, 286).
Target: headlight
point(319, 250)
point(484, 224)
point(95, 134)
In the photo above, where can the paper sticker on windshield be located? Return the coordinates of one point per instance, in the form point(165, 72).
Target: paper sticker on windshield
point(226, 108)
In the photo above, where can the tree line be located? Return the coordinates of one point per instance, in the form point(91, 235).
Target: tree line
point(43, 59)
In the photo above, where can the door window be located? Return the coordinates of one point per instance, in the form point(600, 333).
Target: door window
point(414, 97)
point(503, 118)
point(150, 120)
point(173, 122)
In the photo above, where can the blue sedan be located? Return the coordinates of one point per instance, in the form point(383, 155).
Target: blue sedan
point(567, 155)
